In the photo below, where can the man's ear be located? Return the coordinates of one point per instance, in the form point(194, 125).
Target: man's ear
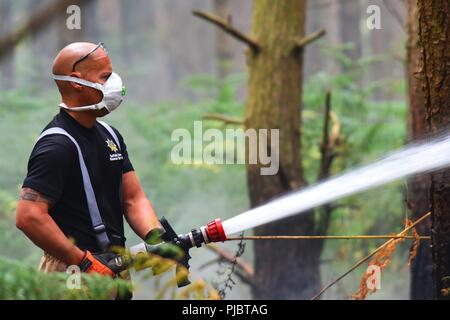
point(75, 85)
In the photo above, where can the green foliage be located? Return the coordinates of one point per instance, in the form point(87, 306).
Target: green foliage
point(22, 282)
point(177, 192)
point(182, 190)
point(192, 195)
point(7, 205)
point(370, 128)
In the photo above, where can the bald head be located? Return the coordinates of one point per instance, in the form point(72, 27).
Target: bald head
point(95, 68)
point(69, 55)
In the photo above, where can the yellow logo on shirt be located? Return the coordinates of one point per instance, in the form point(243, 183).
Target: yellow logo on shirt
point(111, 145)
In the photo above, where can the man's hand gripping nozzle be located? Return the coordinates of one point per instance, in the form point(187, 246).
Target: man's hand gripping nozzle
point(171, 245)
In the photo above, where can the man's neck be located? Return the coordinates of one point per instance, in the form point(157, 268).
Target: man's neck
point(85, 118)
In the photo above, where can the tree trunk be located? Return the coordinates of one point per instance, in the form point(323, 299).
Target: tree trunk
point(67, 36)
point(132, 27)
point(7, 65)
point(283, 269)
point(224, 53)
point(333, 33)
point(38, 46)
point(92, 23)
point(434, 37)
point(418, 186)
point(350, 32)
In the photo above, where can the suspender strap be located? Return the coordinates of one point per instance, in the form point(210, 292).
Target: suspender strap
point(116, 139)
point(96, 219)
point(111, 132)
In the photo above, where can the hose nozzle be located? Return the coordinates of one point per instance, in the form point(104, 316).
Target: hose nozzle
point(212, 232)
point(215, 231)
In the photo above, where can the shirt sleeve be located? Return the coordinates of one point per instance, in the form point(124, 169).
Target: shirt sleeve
point(127, 166)
point(50, 161)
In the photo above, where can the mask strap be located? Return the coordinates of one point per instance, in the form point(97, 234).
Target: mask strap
point(79, 81)
point(84, 108)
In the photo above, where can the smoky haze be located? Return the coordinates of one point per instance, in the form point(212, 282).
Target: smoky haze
point(157, 46)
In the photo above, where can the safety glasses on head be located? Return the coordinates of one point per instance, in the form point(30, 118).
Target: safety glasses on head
point(84, 57)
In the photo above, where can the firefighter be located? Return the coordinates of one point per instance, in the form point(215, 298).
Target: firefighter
point(80, 183)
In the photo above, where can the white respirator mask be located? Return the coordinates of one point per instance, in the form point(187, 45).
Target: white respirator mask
point(113, 92)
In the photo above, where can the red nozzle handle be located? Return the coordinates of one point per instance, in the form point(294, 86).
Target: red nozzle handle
point(215, 231)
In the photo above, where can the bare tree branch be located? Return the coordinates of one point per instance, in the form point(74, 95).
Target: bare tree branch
point(327, 150)
point(299, 43)
point(329, 139)
point(209, 263)
point(223, 118)
point(244, 278)
point(42, 17)
point(247, 270)
point(360, 262)
point(226, 26)
point(240, 274)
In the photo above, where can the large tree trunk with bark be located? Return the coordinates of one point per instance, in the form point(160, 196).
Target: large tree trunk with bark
point(283, 269)
point(434, 39)
point(418, 199)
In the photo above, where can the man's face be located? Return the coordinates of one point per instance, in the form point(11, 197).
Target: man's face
point(97, 68)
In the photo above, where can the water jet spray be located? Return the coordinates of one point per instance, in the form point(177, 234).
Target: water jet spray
point(412, 159)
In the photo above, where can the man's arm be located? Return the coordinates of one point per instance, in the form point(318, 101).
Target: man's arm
point(138, 209)
point(33, 219)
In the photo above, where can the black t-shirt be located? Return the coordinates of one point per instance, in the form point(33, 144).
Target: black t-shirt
point(54, 171)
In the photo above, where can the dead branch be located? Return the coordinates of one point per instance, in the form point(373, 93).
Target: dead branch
point(325, 147)
point(330, 140)
point(42, 17)
point(223, 118)
point(209, 263)
point(360, 262)
point(244, 278)
point(247, 270)
point(240, 274)
point(226, 26)
point(300, 43)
